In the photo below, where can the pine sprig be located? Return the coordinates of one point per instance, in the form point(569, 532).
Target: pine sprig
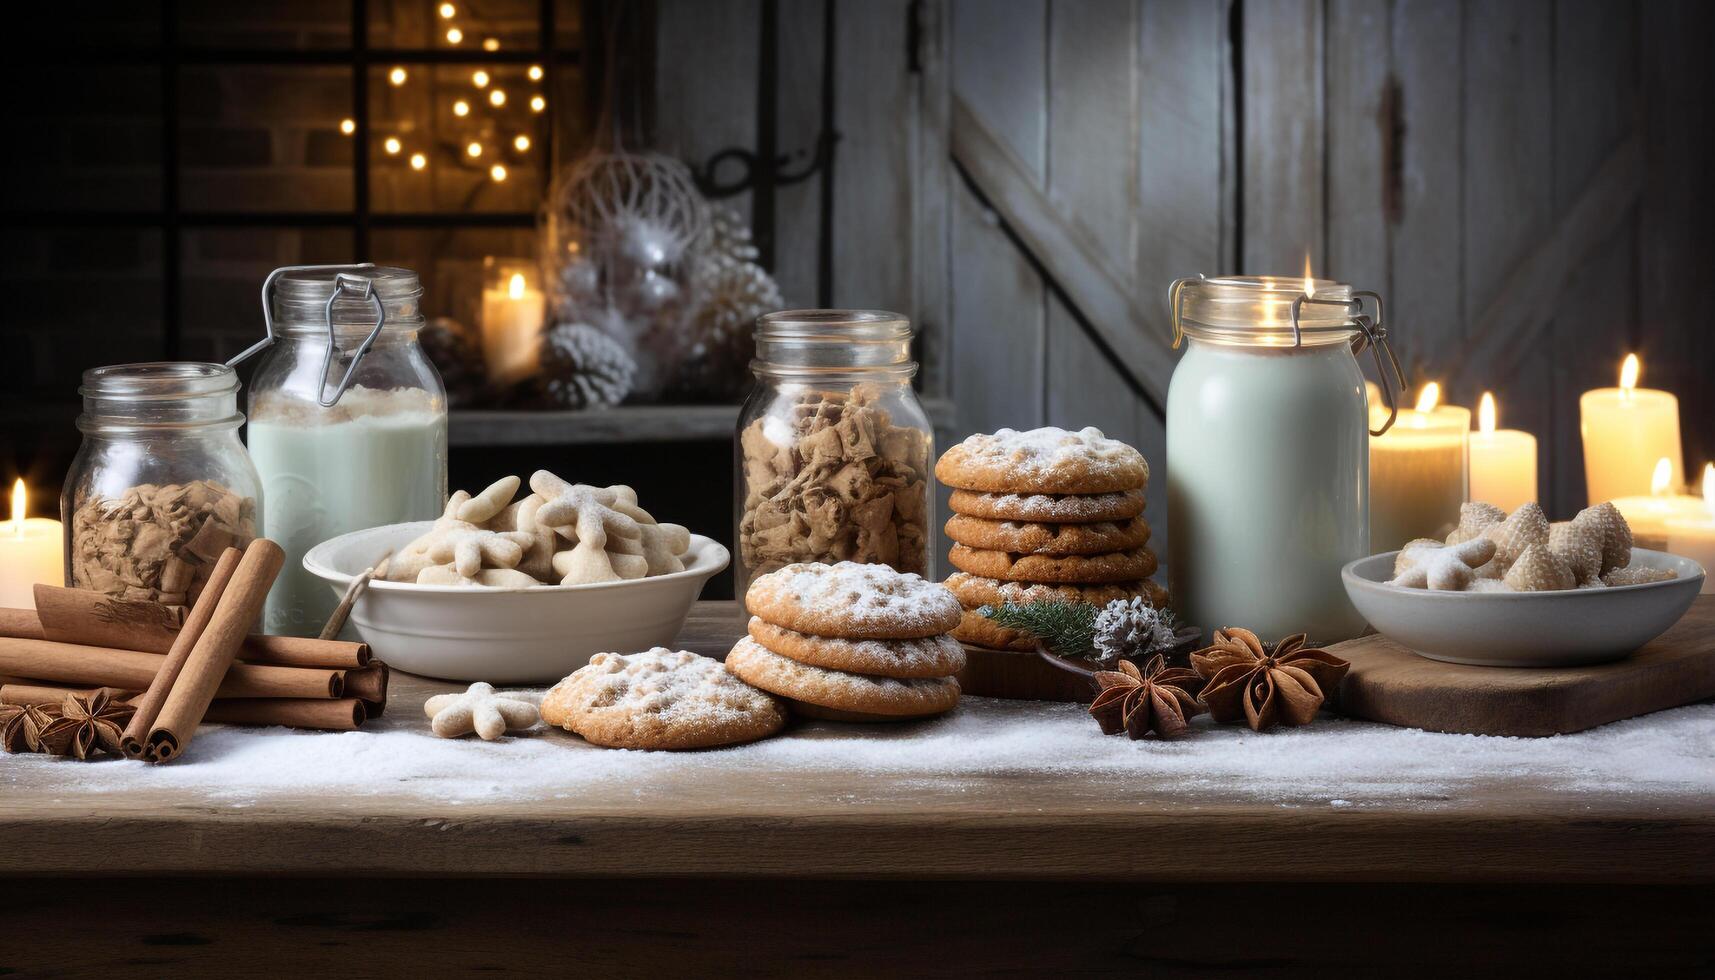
point(1065, 628)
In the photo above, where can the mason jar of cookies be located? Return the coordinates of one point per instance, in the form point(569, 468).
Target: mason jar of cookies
point(161, 484)
point(833, 447)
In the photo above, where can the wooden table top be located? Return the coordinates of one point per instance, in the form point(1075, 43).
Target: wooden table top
point(851, 823)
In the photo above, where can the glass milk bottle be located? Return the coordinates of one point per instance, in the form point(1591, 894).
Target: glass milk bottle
point(1268, 453)
point(348, 420)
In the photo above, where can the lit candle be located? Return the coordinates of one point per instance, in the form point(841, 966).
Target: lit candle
point(1694, 537)
point(1625, 430)
point(512, 315)
point(32, 550)
point(1503, 461)
point(1417, 472)
point(1649, 515)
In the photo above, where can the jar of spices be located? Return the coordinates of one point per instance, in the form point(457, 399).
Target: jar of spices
point(1268, 452)
point(161, 485)
point(833, 449)
point(348, 420)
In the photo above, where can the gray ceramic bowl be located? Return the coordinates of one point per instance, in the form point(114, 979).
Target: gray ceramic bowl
point(1524, 629)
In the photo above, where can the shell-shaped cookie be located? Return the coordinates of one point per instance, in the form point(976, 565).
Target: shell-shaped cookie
point(1616, 534)
point(1638, 575)
point(1523, 527)
point(1537, 570)
point(1475, 517)
point(1579, 546)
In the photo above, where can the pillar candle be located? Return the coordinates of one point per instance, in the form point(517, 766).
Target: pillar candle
point(1649, 515)
point(1625, 430)
point(32, 550)
point(1502, 461)
point(512, 315)
point(1417, 472)
point(1694, 537)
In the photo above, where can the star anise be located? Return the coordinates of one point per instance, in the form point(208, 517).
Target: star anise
point(1155, 699)
point(15, 728)
point(1265, 685)
point(87, 724)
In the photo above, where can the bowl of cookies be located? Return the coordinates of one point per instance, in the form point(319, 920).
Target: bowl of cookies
point(1516, 590)
point(520, 590)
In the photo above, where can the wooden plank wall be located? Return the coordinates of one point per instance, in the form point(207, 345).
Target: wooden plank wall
point(1525, 181)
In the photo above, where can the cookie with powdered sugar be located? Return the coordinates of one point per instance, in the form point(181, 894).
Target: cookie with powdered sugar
point(661, 699)
point(854, 696)
point(1053, 508)
point(853, 601)
point(1045, 460)
point(932, 656)
point(1040, 538)
point(1115, 566)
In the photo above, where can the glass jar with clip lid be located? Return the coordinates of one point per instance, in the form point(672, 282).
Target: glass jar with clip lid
point(1268, 451)
point(348, 419)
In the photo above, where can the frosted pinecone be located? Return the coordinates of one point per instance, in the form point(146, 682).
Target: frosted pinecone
point(1132, 628)
point(584, 368)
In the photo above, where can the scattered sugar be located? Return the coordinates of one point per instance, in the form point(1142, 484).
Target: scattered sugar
point(1332, 763)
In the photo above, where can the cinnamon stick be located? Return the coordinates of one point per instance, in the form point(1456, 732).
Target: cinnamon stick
point(215, 650)
point(336, 715)
point(23, 693)
point(135, 738)
point(370, 685)
point(339, 715)
point(100, 620)
point(133, 670)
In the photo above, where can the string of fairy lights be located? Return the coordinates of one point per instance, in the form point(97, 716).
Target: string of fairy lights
point(484, 148)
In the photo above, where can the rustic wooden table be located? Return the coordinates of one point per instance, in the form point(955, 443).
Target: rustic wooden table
point(764, 870)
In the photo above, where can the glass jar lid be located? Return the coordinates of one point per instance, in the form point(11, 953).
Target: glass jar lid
point(1264, 311)
point(301, 297)
point(870, 342)
point(159, 394)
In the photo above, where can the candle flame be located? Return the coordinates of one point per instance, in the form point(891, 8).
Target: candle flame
point(1663, 474)
point(1486, 413)
point(18, 499)
point(1429, 397)
point(1309, 280)
point(515, 287)
point(1629, 373)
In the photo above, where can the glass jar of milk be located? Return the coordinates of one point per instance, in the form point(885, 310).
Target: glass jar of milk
point(348, 421)
point(1268, 453)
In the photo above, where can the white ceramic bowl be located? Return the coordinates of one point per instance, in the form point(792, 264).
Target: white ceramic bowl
point(1524, 629)
point(508, 636)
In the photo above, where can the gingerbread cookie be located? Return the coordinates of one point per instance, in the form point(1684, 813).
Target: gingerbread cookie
point(1115, 566)
point(1046, 460)
point(1052, 508)
point(935, 656)
point(975, 591)
point(895, 697)
point(865, 602)
point(661, 699)
point(1031, 538)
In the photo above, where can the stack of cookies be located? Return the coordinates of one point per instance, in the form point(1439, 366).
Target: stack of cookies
point(851, 642)
point(1045, 514)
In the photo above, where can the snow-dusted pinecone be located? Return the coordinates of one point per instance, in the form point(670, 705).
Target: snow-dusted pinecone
point(1132, 628)
point(584, 368)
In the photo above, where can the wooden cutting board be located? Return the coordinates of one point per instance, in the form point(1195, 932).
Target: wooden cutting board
point(1389, 683)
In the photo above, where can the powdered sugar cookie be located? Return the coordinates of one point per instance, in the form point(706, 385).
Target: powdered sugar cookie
point(1045, 460)
point(840, 691)
point(864, 602)
point(1053, 508)
point(975, 591)
point(934, 656)
point(1033, 538)
point(661, 699)
point(1116, 566)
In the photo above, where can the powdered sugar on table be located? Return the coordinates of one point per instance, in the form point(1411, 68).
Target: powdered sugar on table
point(1331, 763)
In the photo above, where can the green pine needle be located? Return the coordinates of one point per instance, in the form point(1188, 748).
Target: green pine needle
point(1065, 628)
